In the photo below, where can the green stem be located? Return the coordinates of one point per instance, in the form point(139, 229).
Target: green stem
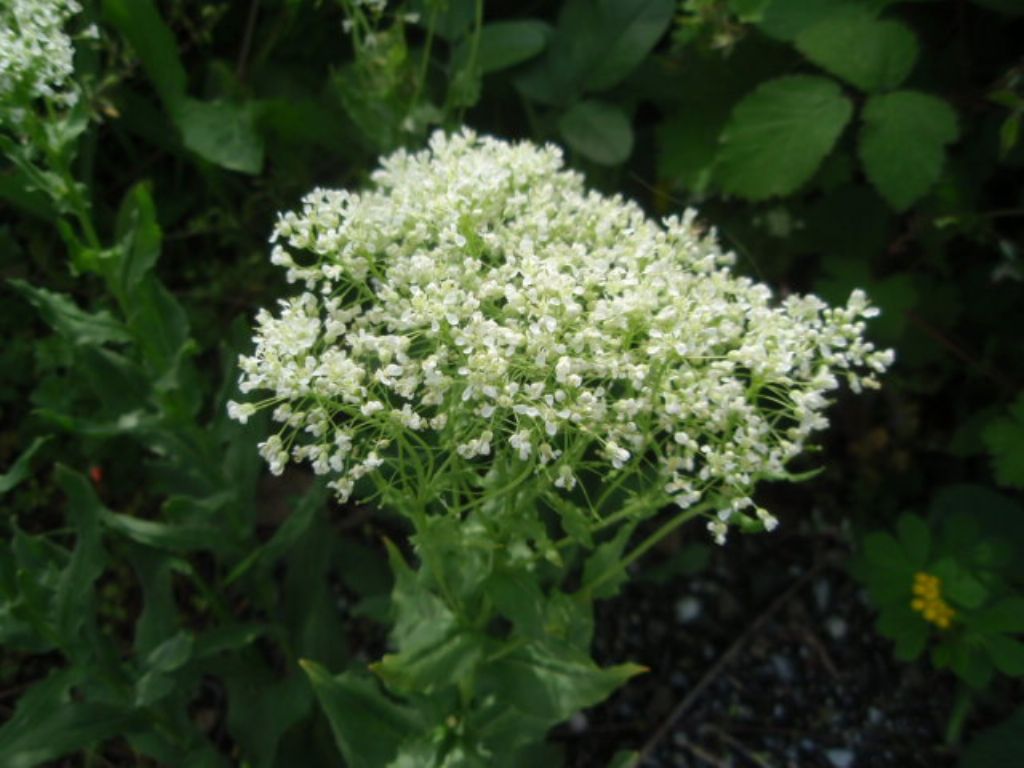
point(646, 545)
point(958, 716)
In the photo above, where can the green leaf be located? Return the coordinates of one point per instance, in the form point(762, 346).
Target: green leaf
point(447, 661)
point(971, 664)
point(163, 536)
point(47, 724)
point(596, 44)
point(261, 709)
point(603, 574)
point(786, 19)
point(1007, 654)
point(285, 537)
point(629, 30)
point(519, 599)
point(851, 43)
point(551, 681)
point(140, 23)
point(221, 132)
point(599, 131)
point(902, 143)
point(1000, 746)
point(504, 44)
point(22, 466)
point(1004, 439)
point(905, 627)
point(1006, 615)
point(74, 324)
point(139, 239)
point(74, 591)
point(915, 538)
point(368, 727)
point(778, 135)
point(959, 584)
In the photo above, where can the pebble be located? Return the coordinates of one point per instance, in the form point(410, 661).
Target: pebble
point(578, 723)
point(783, 668)
point(836, 627)
point(688, 609)
point(840, 758)
point(822, 589)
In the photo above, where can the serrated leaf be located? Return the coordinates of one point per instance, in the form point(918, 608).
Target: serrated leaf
point(368, 727)
point(599, 131)
point(778, 135)
point(1004, 439)
point(869, 53)
point(139, 239)
point(902, 143)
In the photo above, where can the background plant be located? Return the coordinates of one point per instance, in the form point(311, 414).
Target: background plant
point(159, 528)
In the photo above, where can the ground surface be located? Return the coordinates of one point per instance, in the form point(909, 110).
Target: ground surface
point(767, 657)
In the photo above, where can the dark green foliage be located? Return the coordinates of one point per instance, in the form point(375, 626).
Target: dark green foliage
point(162, 599)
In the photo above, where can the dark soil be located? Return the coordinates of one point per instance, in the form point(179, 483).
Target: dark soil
point(766, 658)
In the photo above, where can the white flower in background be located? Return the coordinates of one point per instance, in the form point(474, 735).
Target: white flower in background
point(479, 305)
point(36, 56)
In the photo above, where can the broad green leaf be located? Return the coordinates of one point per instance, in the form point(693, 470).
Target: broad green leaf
point(1004, 439)
point(902, 143)
point(66, 318)
point(551, 681)
point(22, 466)
point(222, 132)
point(596, 44)
point(598, 130)
point(851, 43)
point(886, 570)
point(959, 584)
point(915, 538)
point(518, 598)
point(1007, 654)
point(906, 628)
point(971, 664)
point(785, 19)
point(629, 30)
point(603, 574)
point(450, 19)
point(448, 661)
point(778, 135)
point(1006, 615)
point(48, 724)
point(686, 145)
point(504, 44)
point(999, 746)
point(140, 23)
point(368, 727)
point(261, 709)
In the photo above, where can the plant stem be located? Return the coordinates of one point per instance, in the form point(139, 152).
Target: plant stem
point(958, 715)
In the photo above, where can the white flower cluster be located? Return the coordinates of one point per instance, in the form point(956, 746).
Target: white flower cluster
point(36, 56)
point(479, 300)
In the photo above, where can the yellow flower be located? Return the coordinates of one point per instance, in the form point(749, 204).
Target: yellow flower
point(927, 600)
